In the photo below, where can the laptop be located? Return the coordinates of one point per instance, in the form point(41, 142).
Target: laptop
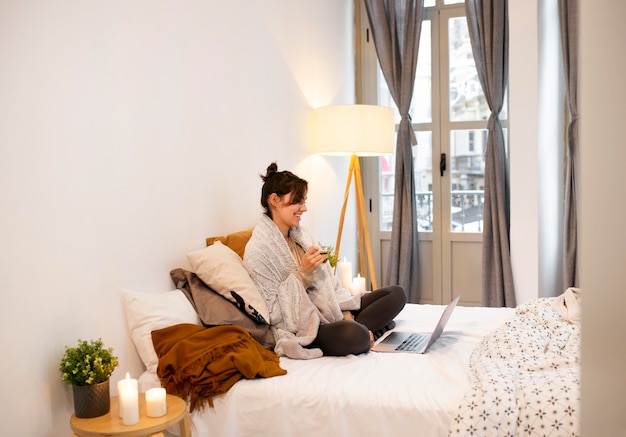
point(414, 342)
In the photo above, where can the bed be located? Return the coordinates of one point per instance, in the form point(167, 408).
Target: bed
point(494, 371)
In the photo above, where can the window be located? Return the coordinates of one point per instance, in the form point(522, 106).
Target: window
point(449, 113)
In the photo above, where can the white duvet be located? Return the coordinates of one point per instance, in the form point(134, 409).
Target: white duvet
point(374, 394)
point(526, 375)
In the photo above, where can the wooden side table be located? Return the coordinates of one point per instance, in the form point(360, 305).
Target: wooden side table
point(111, 424)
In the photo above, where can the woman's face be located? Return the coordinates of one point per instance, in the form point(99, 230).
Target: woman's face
point(285, 213)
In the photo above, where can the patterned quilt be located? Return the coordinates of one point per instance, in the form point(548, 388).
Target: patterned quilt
point(525, 377)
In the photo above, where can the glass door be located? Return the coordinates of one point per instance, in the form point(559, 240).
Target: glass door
point(449, 115)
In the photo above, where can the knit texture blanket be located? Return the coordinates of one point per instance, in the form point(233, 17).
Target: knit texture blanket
point(295, 312)
point(198, 363)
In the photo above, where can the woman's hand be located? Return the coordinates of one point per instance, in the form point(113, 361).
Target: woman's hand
point(312, 259)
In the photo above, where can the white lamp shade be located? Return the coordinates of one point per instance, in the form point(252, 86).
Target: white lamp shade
point(363, 130)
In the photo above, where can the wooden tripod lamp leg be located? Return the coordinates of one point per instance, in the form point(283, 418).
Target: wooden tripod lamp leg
point(361, 220)
point(363, 232)
point(343, 208)
point(360, 200)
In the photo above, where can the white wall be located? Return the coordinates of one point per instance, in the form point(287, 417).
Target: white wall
point(129, 132)
point(536, 137)
point(603, 235)
point(550, 150)
point(523, 138)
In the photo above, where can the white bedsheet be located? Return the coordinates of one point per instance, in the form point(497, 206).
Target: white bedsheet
point(374, 394)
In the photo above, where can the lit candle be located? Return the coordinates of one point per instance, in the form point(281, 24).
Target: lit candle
point(129, 402)
point(120, 387)
point(155, 402)
point(358, 285)
point(345, 273)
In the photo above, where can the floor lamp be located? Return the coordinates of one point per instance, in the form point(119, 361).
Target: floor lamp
point(355, 130)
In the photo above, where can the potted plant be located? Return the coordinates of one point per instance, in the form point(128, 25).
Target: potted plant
point(87, 367)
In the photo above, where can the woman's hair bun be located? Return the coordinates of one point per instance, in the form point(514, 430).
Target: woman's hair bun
point(272, 169)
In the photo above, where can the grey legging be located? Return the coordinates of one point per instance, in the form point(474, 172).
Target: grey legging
point(377, 312)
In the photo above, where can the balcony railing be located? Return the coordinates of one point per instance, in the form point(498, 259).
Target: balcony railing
point(466, 211)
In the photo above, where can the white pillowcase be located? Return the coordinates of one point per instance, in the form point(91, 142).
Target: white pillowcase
point(147, 312)
point(222, 269)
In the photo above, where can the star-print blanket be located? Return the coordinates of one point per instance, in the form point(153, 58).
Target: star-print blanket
point(525, 377)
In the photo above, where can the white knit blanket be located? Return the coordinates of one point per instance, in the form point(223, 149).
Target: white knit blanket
point(295, 312)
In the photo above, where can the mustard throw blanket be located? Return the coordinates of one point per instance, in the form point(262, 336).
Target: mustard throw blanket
point(199, 363)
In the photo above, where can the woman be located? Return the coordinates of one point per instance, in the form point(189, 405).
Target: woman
point(310, 313)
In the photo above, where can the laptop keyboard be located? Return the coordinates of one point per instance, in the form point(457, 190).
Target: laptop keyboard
point(413, 342)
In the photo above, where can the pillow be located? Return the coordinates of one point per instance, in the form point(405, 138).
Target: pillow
point(236, 241)
point(146, 312)
point(222, 269)
point(215, 310)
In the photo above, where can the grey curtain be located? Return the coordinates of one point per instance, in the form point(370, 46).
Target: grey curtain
point(396, 26)
point(568, 11)
point(488, 28)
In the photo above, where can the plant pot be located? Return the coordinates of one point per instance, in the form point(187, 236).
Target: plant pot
point(91, 400)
